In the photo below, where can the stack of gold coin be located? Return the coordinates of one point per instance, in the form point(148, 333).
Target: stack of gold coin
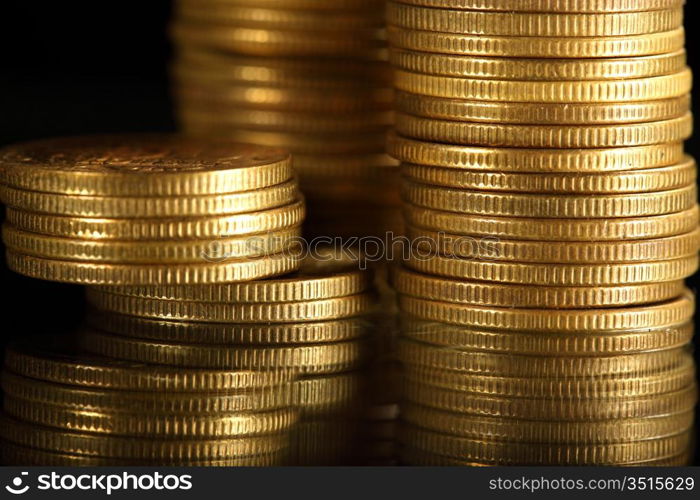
point(146, 210)
point(315, 324)
point(67, 408)
point(554, 216)
point(306, 75)
point(491, 385)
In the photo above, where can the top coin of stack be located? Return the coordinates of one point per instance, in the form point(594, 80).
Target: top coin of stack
point(148, 209)
point(306, 75)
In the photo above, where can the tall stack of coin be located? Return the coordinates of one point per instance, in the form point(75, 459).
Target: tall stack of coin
point(65, 407)
point(307, 75)
point(146, 210)
point(555, 217)
point(314, 324)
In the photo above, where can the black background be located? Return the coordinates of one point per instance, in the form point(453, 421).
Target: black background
point(79, 67)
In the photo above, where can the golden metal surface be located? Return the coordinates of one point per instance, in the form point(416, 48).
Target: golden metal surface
point(501, 294)
point(554, 343)
point(660, 315)
point(64, 367)
point(592, 6)
point(534, 160)
point(536, 69)
point(532, 229)
point(545, 136)
point(540, 24)
point(542, 47)
point(203, 273)
point(224, 312)
point(145, 165)
point(541, 113)
point(634, 181)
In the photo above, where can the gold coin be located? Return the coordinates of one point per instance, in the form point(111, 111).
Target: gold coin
point(169, 229)
point(662, 315)
point(305, 358)
point(412, 456)
point(205, 97)
point(322, 144)
point(549, 206)
point(534, 229)
point(591, 6)
point(310, 5)
point(591, 388)
point(285, 121)
point(190, 206)
point(452, 245)
point(477, 89)
point(135, 447)
point(550, 274)
point(365, 43)
point(541, 113)
point(414, 353)
point(142, 165)
point(224, 312)
point(23, 455)
point(537, 47)
point(281, 18)
point(545, 136)
point(51, 360)
point(540, 24)
point(516, 452)
point(551, 409)
point(151, 425)
point(153, 401)
point(221, 333)
point(536, 69)
point(534, 160)
point(203, 65)
point(589, 433)
point(541, 343)
point(503, 295)
point(146, 252)
point(325, 274)
point(634, 181)
point(93, 273)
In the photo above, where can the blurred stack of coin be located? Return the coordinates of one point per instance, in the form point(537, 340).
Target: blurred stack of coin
point(315, 323)
point(149, 209)
point(307, 75)
point(67, 408)
point(554, 216)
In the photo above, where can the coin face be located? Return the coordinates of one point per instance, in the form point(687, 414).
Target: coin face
point(142, 154)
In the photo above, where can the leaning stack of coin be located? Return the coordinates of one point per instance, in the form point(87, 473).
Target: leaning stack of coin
point(315, 324)
point(149, 209)
point(67, 408)
point(307, 75)
point(554, 216)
